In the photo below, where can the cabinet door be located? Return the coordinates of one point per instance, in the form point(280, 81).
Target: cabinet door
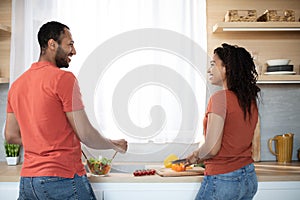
point(149, 194)
point(146, 191)
point(9, 190)
point(278, 190)
point(277, 194)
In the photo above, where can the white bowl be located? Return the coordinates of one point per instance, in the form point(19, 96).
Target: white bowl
point(276, 62)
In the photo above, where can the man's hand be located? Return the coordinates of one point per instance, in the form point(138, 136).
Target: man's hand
point(120, 145)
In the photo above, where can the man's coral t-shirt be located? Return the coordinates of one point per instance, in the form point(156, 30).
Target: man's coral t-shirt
point(236, 147)
point(39, 99)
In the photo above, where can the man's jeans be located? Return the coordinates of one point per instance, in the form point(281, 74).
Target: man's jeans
point(240, 184)
point(50, 187)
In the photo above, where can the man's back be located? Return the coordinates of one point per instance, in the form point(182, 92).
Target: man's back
point(39, 100)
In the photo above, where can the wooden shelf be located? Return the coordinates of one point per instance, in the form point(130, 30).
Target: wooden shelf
point(256, 26)
point(271, 79)
point(4, 80)
point(5, 28)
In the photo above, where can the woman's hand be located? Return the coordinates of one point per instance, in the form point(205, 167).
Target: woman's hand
point(192, 158)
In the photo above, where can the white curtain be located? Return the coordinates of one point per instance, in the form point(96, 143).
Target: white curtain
point(27, 17)
point(140, 63)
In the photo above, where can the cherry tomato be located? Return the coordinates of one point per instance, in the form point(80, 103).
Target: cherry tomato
point(144, 172)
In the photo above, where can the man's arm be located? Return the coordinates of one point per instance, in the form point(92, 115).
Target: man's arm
point(88, 135)
point(12, 130)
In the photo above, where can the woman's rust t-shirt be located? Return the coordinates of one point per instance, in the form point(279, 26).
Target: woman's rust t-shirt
point(236, 147)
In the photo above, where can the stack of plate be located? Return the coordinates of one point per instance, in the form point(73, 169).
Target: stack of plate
point(280, 67)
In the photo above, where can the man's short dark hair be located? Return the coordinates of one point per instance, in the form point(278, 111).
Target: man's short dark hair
point(50, 30)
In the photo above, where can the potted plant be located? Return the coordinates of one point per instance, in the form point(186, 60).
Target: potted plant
point(12, 153)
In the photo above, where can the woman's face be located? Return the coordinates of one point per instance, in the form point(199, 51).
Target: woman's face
point(217, 72)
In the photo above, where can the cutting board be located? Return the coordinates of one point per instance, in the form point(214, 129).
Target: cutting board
point(256, 143)
point(168, 172)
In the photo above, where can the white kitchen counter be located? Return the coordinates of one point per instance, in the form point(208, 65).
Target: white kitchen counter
point(266, 171)
point(275, 182)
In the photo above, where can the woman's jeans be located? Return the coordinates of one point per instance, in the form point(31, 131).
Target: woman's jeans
point(51, 187)
point(237, 185)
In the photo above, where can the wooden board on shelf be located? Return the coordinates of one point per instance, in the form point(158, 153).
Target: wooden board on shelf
point(256, 26)
point(279, 79)
point(267, 44)
point(4, 80)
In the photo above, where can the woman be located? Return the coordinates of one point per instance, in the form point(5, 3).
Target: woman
point(229, 125)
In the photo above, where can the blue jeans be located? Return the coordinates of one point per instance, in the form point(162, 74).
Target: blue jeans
point(51, 187)
point(240, 184)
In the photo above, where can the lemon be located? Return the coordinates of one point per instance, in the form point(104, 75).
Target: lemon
point(168, 160)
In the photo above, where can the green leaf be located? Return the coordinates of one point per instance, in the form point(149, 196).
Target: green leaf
point(11, 150)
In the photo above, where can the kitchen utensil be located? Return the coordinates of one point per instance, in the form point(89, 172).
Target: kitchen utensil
point(283, 147)
point(113, 156)
point(179, 161)
point(280, 68)
point(84, 155)
point(276, 62)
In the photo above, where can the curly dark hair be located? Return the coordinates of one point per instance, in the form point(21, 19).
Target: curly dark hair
point(50, 30)
point(241, 75)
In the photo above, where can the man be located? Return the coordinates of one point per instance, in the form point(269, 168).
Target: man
point(46, 115)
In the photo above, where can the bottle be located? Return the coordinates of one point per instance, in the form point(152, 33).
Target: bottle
point(258, 66)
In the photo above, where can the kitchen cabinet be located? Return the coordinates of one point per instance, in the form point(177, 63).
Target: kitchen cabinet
point(252, 27)
point(278, 190)
point(9, 190)
point(5, 37)
point(287, 190)
point(147, 191)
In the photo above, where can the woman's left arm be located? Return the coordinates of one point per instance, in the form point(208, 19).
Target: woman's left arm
point(213, 140)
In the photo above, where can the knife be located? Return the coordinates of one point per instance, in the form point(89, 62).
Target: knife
point(179, 161)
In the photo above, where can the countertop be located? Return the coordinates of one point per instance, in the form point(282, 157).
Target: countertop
point(266, 171)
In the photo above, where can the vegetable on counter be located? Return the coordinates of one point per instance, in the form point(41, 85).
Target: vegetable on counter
point(199, 165)
point(178, 167)
point(144, 172)
point(168, 160)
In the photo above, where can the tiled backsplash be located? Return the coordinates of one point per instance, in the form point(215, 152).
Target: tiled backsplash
point(279, 113)
point(3, 98)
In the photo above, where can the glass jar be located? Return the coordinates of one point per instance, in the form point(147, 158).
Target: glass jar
point(257, 64)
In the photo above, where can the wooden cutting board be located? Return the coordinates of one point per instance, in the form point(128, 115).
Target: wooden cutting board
point(168, 172)
point(256, 143)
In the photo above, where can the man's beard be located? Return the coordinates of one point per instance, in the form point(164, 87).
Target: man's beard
point(60, 58)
